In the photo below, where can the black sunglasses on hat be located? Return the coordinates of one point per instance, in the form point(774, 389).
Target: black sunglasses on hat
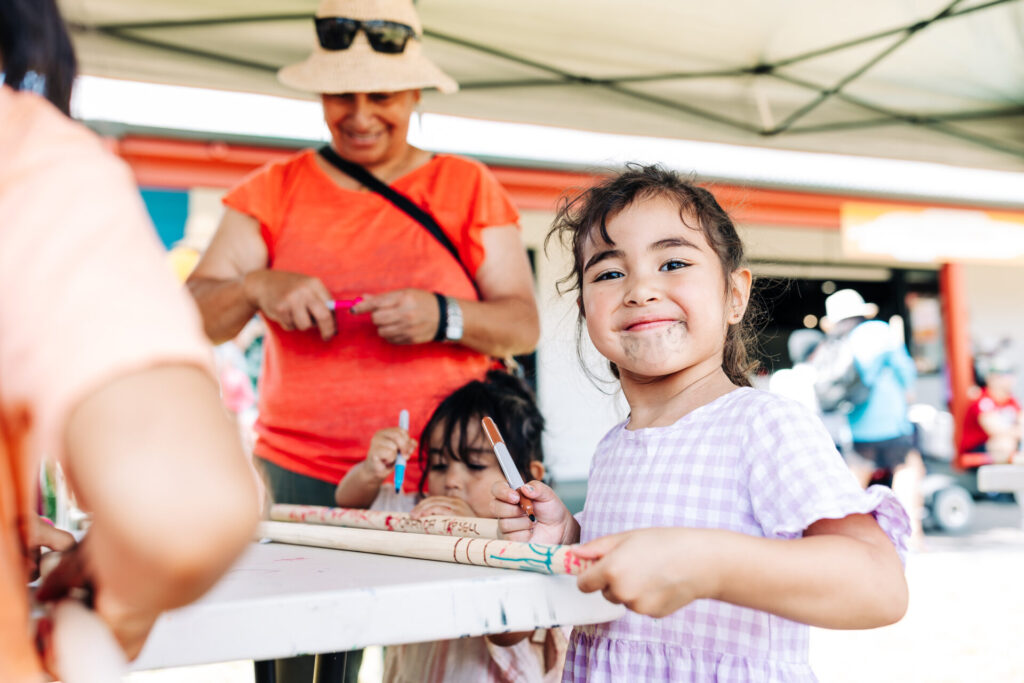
point(337, 33)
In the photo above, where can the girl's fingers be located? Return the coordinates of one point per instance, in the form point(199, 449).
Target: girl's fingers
point(515, 525)
point(599, 547)
point(591, 580)
point(503, 492)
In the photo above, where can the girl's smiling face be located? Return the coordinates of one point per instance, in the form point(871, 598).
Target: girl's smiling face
point(656, 300)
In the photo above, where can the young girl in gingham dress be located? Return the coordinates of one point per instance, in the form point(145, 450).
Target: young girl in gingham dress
point(721, 516)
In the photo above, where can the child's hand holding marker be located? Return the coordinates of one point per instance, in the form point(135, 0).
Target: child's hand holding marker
point(548, 523)
point(385, 446)
point(554, 525)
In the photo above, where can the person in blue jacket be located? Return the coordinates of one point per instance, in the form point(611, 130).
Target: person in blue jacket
point(882, 432)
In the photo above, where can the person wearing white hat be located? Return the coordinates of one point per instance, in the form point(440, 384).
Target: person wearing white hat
point(388, 276)
point(882, 432)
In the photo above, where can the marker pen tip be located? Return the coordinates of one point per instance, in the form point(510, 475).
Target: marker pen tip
point(533, 518)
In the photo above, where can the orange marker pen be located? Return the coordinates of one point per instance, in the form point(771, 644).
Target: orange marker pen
point(508, 467)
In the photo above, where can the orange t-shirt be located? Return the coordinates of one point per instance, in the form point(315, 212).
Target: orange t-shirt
point(87, 298)
point(321, 402)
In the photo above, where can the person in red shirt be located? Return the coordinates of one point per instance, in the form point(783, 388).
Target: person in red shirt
point(994, 422)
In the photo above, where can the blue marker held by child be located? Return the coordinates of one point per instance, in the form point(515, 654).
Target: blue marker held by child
point(400, 461)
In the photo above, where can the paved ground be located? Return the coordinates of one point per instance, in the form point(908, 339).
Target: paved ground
point(965, 622)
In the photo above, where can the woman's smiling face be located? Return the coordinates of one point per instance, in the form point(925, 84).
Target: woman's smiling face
point(370, 128)
point(655, 299)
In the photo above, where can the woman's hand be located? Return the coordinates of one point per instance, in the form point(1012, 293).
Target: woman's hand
point(442, 505)
point(651, 571)
point(554, 525)
point(292, 300)
point(404, 316)
point(385, 446)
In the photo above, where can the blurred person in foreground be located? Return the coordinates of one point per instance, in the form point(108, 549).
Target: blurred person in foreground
point(994, 422)
point(102, 366)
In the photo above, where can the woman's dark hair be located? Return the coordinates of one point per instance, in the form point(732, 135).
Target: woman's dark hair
point(503, 398)
point(35, 50)
point(589, 211)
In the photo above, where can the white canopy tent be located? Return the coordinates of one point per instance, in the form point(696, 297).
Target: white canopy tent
point(927, 80)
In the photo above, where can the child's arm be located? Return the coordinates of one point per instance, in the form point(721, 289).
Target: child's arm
point(843, 573)
point(555, 524)
point(362, 483)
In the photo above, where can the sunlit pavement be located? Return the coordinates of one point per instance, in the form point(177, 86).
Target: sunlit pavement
point(966, 615)
point(965, 622)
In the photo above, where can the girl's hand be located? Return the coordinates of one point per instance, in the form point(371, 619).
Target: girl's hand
point(651, 571)
point(292, 300)
point(384, 448)
point(442, 505)
point(404, 316)
point(554, 525)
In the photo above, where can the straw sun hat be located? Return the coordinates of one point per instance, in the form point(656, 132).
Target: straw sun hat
point(361, 69)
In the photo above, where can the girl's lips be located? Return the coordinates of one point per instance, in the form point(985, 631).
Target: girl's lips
point(649, 324)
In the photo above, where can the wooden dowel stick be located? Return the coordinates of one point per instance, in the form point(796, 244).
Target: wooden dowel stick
point(487, 552)
point(469, 527)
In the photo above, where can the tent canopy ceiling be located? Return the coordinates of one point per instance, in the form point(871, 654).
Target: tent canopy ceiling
point(928, 80)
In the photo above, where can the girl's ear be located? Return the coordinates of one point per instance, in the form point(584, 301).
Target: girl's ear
point(739, 294)
point(537, 470)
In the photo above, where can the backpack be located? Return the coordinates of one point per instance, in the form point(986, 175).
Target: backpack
point(837, 384)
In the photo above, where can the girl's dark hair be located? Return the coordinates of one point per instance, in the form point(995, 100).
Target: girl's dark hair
point(35, 50)
point(589, 211)
point(503, 398)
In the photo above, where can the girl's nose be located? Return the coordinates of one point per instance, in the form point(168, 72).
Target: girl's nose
point(641, 290)
point(453, 479)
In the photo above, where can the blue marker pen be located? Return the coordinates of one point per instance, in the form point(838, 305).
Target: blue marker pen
point(403, 422)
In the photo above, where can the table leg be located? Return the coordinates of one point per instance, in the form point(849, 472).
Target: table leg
point(263, 671)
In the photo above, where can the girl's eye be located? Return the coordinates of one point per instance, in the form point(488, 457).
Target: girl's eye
point(438, 466)
point(381, 97)
point(608, 275)
point(673, 264)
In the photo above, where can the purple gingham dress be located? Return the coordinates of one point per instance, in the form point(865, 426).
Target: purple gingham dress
point(751, 462)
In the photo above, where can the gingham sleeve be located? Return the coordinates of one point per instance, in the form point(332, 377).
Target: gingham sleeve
point(797, 477)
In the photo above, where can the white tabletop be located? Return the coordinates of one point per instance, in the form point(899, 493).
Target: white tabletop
point(282, 600)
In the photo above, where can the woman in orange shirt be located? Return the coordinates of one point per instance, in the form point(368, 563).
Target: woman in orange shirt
point(300, 234)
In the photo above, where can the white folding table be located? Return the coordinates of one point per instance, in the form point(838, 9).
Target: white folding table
point(283, 600)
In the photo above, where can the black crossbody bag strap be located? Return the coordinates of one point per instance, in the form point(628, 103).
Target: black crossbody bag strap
point(401, 202)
